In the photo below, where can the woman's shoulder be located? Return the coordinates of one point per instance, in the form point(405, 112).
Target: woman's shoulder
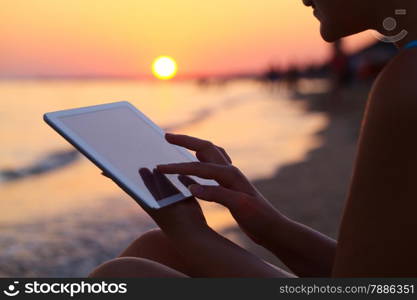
point(397, 83)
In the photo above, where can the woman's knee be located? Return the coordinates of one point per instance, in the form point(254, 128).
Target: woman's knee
point(154, 245)
point(146, 245)
point(130, 267)
point(152, 238)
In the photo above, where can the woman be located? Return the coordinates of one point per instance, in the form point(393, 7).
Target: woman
point(377, 236)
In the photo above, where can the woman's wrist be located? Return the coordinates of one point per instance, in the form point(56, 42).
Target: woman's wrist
point(272, 227)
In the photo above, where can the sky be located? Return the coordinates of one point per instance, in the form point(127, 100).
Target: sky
point(122, 37)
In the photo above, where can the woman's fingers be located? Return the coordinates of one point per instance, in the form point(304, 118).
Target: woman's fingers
point(203, 170)
point(205, 151)
point(228, 176)
point(165, 187)
point(225, 154)
point(148, 179)
point(224, 196)
point(186, 180)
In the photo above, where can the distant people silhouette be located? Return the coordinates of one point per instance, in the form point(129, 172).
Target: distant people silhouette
point(339, 71)
point(272, 78)
point(292, 78)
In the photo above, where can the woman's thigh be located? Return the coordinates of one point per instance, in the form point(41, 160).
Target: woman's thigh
point(155, 246)
point(134, 267)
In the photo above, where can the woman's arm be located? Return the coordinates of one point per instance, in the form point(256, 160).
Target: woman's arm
point(308, 253)
point(211, 255)
point(305, 251)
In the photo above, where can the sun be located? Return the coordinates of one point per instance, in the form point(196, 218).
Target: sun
point(164, 67)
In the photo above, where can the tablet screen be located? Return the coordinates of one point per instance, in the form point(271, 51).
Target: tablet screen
point(132, 148)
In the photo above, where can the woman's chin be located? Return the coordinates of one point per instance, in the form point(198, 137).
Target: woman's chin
point(328, 37)
point(332, 32)
point(329, 34)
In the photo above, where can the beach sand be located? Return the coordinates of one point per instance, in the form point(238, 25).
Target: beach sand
point(311, 191)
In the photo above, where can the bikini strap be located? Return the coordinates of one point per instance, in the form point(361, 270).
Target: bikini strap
point(412, 44)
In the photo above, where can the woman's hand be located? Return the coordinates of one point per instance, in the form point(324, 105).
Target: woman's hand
point(184, 218)
point(251, 210)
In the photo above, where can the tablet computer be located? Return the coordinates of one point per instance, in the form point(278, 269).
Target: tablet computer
point(127, 146)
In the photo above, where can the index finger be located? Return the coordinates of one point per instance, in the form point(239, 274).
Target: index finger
point(187, 141)
point(206, 151)
point(225, 175)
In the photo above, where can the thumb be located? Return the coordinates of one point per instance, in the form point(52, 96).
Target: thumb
point(218, 194)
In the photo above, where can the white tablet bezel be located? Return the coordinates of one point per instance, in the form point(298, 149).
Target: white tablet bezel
point(53, 119)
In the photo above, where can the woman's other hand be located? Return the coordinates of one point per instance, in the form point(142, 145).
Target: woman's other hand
point(251, 210)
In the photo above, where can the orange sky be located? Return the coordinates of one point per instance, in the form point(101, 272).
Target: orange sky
point(109, 37)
